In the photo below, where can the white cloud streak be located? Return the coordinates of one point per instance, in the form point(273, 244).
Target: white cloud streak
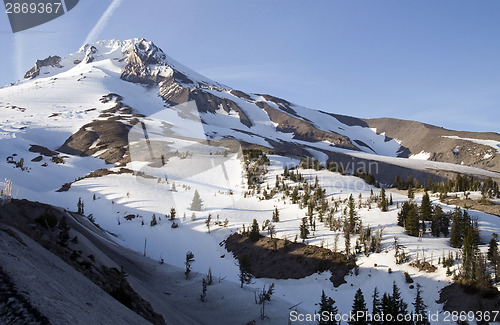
point(101, 24)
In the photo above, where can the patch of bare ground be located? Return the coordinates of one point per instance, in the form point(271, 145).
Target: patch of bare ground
point(281, 259)
point(466, 299)
point(484, 206)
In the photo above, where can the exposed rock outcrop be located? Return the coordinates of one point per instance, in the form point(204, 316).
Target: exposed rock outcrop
point(51, 61)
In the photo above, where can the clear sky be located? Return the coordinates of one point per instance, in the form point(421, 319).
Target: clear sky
point(435, 61)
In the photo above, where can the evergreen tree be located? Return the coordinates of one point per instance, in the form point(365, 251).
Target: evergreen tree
point(276, 215)
point(376, 307)
point(460, 227)
point(469, 252)
point(64, 234)
point(442, 220)
point(80, 206)
point(245, 275)
point(391, 202)
point(153, 221)
point(328, 309)
point(411, 193)
point(403, 214)
point(426, 208)
point(435, 226)
point(399, 307)
point(254, 234)
point(386, 308)
point(359, 309)
point(295, 195)
point(304, 231)
point(493, 254)
point(420, 308)
point(353, 215)
point(347, 240)
point(412, 222)
point(285, 172)
point(456, 234)
point(383, 205)
point(203, 290)
point(197, 203)
point(172, 214)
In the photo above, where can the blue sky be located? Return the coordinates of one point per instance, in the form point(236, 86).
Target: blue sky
point(433, 61)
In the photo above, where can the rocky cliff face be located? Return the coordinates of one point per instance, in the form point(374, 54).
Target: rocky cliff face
point(439, 144)
point(51, 61)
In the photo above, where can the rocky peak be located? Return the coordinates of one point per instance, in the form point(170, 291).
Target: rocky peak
point(89, 54)
point(52, 61)
point(146, 63)
point(147, 52)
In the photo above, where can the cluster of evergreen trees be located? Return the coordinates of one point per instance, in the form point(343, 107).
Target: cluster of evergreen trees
point(415, 218)
point(256, 162)
point(390, 309)
point(333, 166)
point(404, 184)
point(461, 183)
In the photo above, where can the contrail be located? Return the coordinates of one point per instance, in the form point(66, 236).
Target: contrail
point(94, 33)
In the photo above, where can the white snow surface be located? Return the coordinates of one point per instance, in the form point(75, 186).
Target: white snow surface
point(421, 156)
point(492, 143)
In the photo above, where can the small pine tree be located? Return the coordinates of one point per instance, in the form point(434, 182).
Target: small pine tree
point(153, 221)
point(353, 215)
point(197, 203)
point(295, 195)
point(383, 205)
point(411, 193)
point(376, 307)
point(79, 205)
point(172, 214)
point(174, 189)
point(359, 309)
point(207, 222)
point(276, 215)
point(286, 172)
point(420, 308)
point(304, 230)
point(254, 234)
point(261, 296)
point(245, 275)
point(327, 307)
point(493, 248)
point(203, 290)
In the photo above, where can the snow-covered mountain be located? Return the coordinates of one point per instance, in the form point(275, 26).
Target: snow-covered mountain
point(131, 133)
point(92, 97)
